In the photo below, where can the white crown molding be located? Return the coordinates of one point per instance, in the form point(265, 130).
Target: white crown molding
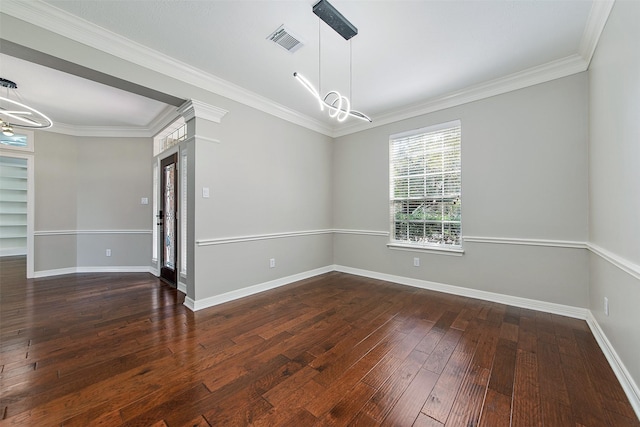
point(166, 116)
point(99, 131)
point(600, 10)
point(543, 73)
point(194, 108)
point(53, 19)
point(162, 120)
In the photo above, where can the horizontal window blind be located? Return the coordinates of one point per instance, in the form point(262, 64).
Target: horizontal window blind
point(425, 186)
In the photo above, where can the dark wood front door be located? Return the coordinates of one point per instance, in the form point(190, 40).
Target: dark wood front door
point(168, 218)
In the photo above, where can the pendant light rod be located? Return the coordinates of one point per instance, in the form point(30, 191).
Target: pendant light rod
point(350, 71)
point(339, 105)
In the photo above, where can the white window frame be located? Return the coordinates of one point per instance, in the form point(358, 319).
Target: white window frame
point(450, 202)
point(20, 132)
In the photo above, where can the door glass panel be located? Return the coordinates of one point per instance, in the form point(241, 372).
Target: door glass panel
point(169, 216)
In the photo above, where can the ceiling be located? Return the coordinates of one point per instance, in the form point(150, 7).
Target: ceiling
point(407, 55)
point(77, 101)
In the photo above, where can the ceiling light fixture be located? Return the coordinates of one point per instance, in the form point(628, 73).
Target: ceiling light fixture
point(330, 15)
point(17, 114)
point(339, 105)
point(7, 129)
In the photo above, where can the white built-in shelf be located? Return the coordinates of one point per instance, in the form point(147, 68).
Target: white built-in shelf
point(13, 204)
point(13, 209)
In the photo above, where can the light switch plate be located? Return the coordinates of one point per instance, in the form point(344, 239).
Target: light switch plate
point(205, 192)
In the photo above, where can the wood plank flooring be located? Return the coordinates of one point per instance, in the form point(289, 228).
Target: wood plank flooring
point(337, 349)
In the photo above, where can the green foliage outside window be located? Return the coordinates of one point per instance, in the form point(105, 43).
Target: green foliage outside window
point(425, 191)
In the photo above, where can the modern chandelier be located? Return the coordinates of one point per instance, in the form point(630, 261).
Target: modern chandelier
point(339, 105)
point(17, 114)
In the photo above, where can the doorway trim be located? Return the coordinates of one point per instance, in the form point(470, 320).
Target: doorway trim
point(157, 203)
point(30, 158)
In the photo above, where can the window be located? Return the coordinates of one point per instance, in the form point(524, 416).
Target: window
point(22, 140)
point(425, 184)
point(13, 141)
point(170, 136)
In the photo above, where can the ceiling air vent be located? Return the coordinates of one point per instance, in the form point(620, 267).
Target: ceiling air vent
point(285, 39)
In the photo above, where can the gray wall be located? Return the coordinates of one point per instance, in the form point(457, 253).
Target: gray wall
point(56, 185)
point(615, 181)
point(524, 177)
point(266, 176)
point(529, 174)
point(87, 199)
point(262, 168)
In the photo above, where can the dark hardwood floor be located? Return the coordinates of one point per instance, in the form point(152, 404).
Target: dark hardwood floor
point(121, 349)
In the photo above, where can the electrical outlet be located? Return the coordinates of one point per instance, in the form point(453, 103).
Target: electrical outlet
point(416, 262)
point(108, 252)
point(272, 263)
point(606, 306)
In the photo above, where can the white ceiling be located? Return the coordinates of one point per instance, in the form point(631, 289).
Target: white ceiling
point(76, 101)
point(406, 54)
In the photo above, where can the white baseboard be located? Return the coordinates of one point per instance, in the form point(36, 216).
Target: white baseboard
point(548, 307)
point(182, 287)
point(13, 252)
point(106, 269)
point(626, 381)
point(55, 272)
point(196, 305)
point(629, 386)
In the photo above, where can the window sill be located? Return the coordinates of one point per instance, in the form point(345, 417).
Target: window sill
point(427, 249)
